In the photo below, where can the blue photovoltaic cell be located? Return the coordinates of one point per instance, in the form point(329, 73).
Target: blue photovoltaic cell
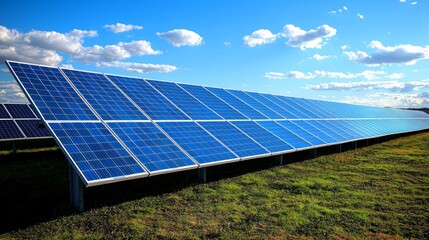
point(51, 93)
point(191, 106)
point(197, 142)
point(33, 129)
point(333, 134)
point(236, 103)
point(300, 111)
point(350, 125)
point(355, 133)
point(255, 104)
point(269, 141)
point(152, 147)
point(337, 128)
point(95, 151)
point(268, 100)
point(234, 139)
point(316, 132)
point(3, 112)
point(9, 130)
point(213, 102)
point(148, 99)
point(103, 96)
point(20, 110)
point(315, 141)
point(310, 106)
point(287, 136)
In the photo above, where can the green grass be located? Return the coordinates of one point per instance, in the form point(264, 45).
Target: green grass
point(375, 192)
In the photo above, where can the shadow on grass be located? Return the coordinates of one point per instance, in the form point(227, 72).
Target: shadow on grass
point(34, 185)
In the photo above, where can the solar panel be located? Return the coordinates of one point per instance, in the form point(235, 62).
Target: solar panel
point(255, 104)
point(191, 106)
point(287, 136)
point(267, 101)
point(3, 112)
point(198, 143)
point(96, 152)
point(297, 130)
point(156, 106)
point(311, 107)
point(213, 102)
point(337, 129)
point(268, 140)
point(328, 131)
point(300, 112)
point(315, 131)
point(51, 93)
point(20, 110)
point(103, 96)
point(33, 128)
point(9, 130)
point(151, 147)
point(237, 141)
point(236, 103)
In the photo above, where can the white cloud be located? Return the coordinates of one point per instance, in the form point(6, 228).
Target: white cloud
point(332, 12)
point(259, 37)
point(344, 8)
point(402, 1)
point(139, 67)
point(275, 75)
point(397, 100)
point(360, 16)
point(367, 74)
point(227, 44)
point(110, 53)
point(182, 37)
point(405, 53)
point(68, 66)
point(393, 86)
point(344, 47)
point(319, 57)
point(11, 92)
point(307, 39)
point(414, 3)
point(121, 27)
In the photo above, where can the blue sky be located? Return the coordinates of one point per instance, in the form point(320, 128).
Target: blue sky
point(362, 51)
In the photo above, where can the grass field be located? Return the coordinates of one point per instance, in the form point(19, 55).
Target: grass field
point(375, 192)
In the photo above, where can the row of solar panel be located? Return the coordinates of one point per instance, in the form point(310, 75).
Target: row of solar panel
point(125, 98)
point(171, 146)
point(14, 110)
point(18, 121)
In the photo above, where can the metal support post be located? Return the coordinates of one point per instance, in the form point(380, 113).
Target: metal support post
point(314, 153)
point(202, 175)
point(339, 148)
point(279, 159)
point(13, 147)
point(76, 190)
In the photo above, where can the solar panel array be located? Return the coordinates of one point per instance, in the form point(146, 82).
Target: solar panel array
point(18, 122)
point(114, 128)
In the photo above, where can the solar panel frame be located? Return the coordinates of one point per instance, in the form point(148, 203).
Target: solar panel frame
point(265, 100)
point(77, 108)
point(10, 131)
point(4, 113)
point(31, 129)
point(307, 136)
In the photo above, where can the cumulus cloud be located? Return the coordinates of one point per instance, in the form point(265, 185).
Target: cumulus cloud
point(259, 37)
point(121, 27)
point(393, 86)
point(360, 16)
point(397, 100)
point(344, 47)
point(367, 74)
point(319, 57)
point(110, 53)
point(307, 39)
point(182, 37)
point(11, 92)
point(139, 67)
point(404, 53)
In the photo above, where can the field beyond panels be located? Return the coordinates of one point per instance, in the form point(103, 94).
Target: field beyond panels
point(375, 192)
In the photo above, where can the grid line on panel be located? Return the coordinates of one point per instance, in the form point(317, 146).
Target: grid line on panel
point(213, 102)
point(300, 112)
point(20, 110)
point(241, 144)
point(255, 104)
point(32, 129)
point(315, 131)
point(266, 100)
point(336, 128)
point(310, 105)
point(292, 139)
point(198, 143)
point(95, 151)
point(4, 114)
point(107, 100)
point(267, 139)
point(237, 103)
point(152, 102)
point(322, 128)
point(152, 147)
point(187, 103)
point(50, 92)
